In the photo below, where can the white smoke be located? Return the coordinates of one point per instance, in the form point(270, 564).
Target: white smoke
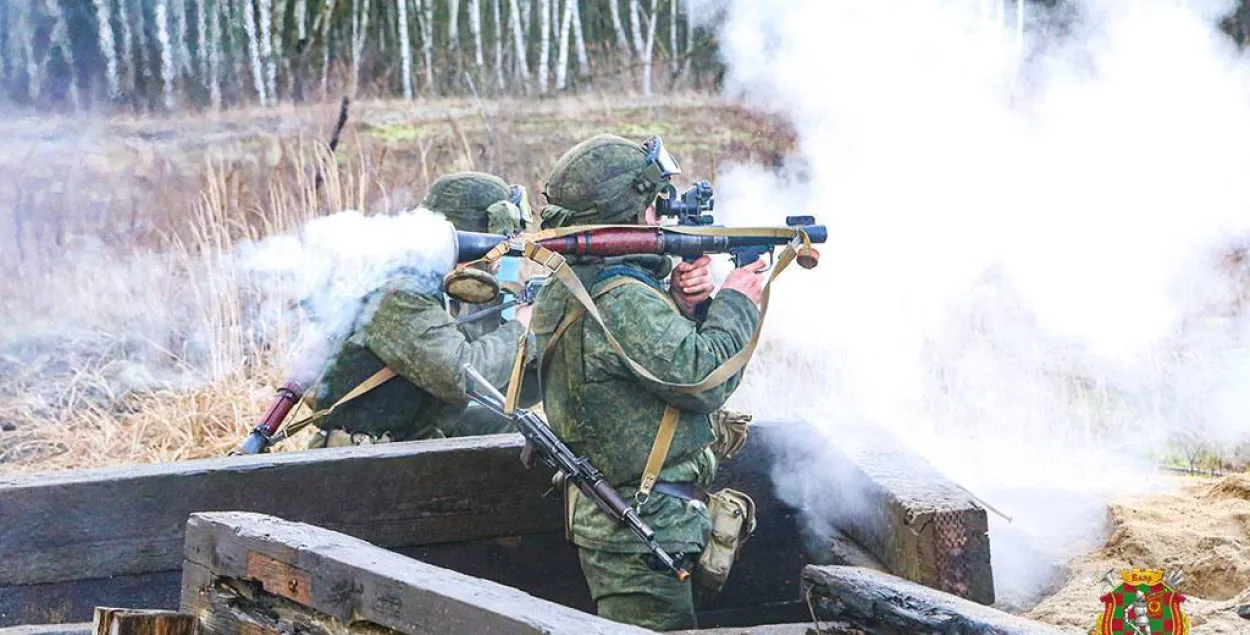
point(330, 265)
point(1020, 279)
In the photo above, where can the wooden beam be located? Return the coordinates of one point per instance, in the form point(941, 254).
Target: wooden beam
point(75, 600)
point(100, 523)
point(883, 604)
point(353, 584)
point(75, 628)
point(861, 483)
point(124, 621)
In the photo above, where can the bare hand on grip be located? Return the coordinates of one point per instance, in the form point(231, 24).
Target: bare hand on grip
point(748, 280)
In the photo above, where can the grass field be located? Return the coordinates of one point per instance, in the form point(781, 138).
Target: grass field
point(126, 337)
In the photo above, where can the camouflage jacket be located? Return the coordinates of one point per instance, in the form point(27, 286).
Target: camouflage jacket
point(603, 411)
point(405, 327)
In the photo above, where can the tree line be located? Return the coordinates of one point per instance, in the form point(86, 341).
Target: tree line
point(168, 55)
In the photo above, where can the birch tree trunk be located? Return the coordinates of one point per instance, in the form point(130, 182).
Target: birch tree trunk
point(266, 49)
point(562, 62)
point(427, 42)
point(6, 40)
point(527, 14)
point(614, 8)
point(182, 52)
point(107, 47)
point(360, 26)
point(647, 54)
point(635, 26)
point(128, 46)
point(518, 40)
point(141, 39)
point(499, 82)
point(214, 54)
point(544, 45)
point(26, 32)
point(405, 48)
point(201, 41)
point(327, 12)
point(475, 28)
point(583, 62)
point(166, 51)
point(453, 30)
point(673, 58)
point(253, 48)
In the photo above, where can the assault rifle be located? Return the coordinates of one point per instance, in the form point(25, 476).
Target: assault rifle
point(266, 432)
point(552, 451)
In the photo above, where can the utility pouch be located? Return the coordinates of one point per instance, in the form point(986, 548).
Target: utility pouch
point(733, 521)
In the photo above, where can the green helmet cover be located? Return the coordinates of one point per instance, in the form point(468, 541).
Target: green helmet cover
point(475, 202)
point(599, 181)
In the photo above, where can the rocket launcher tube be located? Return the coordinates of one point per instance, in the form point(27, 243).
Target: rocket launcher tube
point(745, 245)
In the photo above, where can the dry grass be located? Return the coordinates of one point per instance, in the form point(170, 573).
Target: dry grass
point(129, 334)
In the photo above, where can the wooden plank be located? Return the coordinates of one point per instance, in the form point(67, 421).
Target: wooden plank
point(128, 621)
point(766, 629)
point(911, 519)
point(350, 580)
point(74, 601)
point(75, 628)
point(884, 604)
point(88, 524)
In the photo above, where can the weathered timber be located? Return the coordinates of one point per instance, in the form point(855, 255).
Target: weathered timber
point(76, 628)
point(861, 481)
point(882, 604)
point(350, 581)
point(99, 523)
point(127, 621)
point(767, 629)
point(74, 600)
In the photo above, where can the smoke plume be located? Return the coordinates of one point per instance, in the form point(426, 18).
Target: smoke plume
point(1027, 218)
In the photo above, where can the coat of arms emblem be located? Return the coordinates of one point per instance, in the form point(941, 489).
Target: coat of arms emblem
point(1142, 602)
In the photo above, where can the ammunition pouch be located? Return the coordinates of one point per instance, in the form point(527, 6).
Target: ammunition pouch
point(733, 521)
point(731, 428)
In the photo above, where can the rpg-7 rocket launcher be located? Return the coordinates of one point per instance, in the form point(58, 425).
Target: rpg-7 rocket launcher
point(693, 235)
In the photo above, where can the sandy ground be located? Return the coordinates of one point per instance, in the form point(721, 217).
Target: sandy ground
point(1202, 529)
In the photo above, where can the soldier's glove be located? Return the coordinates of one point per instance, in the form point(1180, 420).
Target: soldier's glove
point(730, 427)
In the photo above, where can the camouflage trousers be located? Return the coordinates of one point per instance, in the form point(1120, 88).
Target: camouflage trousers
point(626, 590)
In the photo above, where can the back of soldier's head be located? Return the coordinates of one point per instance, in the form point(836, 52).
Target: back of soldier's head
point(606, 179)
point(476, 202)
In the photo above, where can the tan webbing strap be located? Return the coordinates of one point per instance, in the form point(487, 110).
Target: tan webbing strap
point(374, 380)
point(572, 317)
point(559, 268)
point(659, 450)
point(514, 381)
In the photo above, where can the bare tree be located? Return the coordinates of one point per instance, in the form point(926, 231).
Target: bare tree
point(253, 47)
point(427, 41)
point(201, 40)
point(360, 31)
point(266, 48)
point(650, 50)
point(635, 26)
point(453, 28)
point(214, 53)
point(499, 81)
point(107, 47)
point(673, 60)
point(475, 28)
point(167, 55)
point(562, 61)
point(128, 44)
point(614, 7)
point(518, 39)
point(544, 46)
point(405, 48)
point(182, 52)
point(327, 11)
point(583, 63)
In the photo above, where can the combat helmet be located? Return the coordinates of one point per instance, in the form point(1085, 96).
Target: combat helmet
point(479, 202)
point(606, 179)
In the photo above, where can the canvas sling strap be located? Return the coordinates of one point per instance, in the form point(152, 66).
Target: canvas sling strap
point(373, 381)
point(560, 269)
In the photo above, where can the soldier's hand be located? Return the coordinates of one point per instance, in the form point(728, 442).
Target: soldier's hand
point(747, 280)
point(692, 283)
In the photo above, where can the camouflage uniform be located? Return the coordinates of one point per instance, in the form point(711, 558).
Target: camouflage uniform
point(605, 412)
point(405, 324)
